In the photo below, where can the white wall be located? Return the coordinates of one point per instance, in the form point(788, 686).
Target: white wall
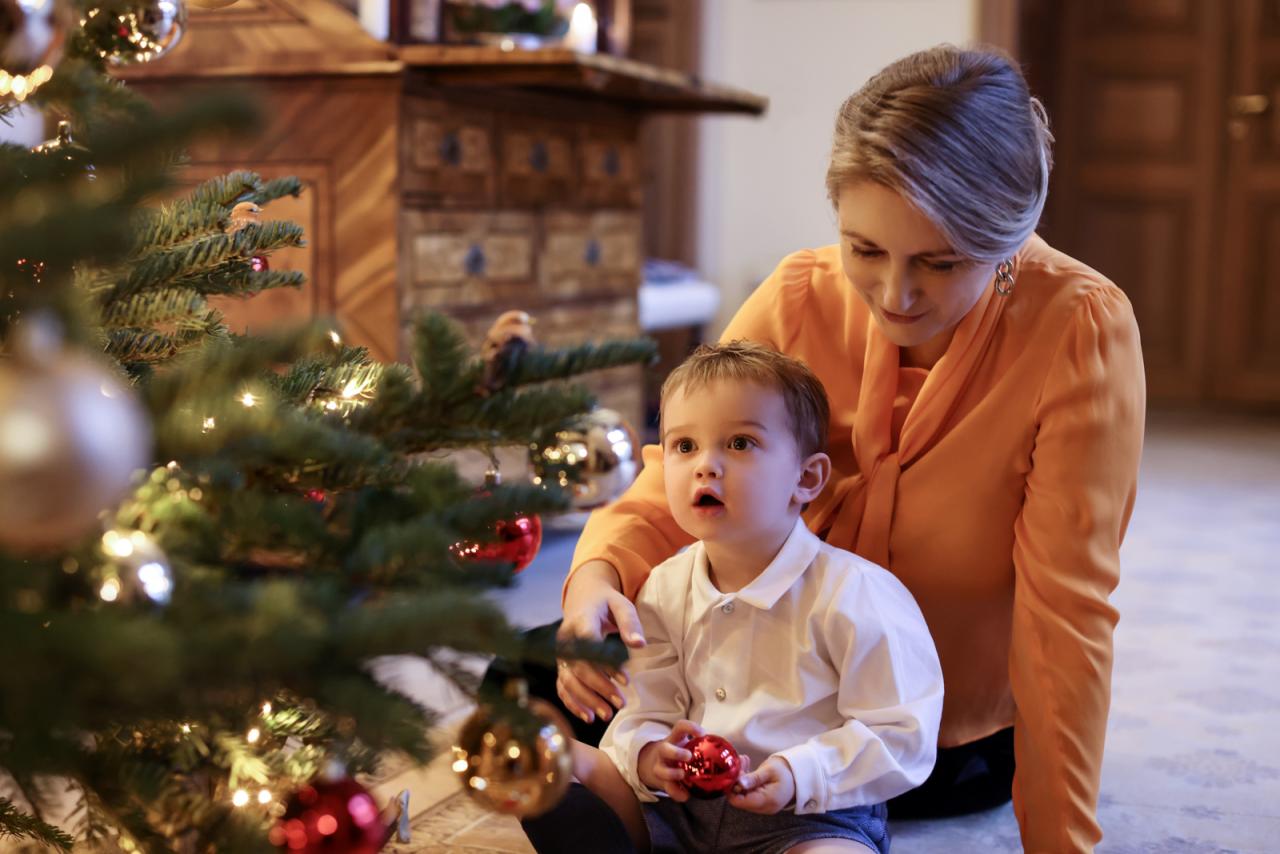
point(760, 180)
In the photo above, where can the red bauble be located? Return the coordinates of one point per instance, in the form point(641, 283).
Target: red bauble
point(258, 263)
point(714, 768)
point(316, 495)
point(330, 817)
point(516, 541)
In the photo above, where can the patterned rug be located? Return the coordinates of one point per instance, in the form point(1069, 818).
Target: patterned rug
point(1193, 756)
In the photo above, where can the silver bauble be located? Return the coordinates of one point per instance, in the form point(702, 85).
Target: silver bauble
point(71, 436)
point(32, 36)
point(597, 457)
point(132, 31)
point(515, 758)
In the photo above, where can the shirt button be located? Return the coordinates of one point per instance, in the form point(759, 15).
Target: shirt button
point(721, 693)
point(727, 607)
point(810, 804)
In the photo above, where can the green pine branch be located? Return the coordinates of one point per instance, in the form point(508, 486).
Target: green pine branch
point(20, 826)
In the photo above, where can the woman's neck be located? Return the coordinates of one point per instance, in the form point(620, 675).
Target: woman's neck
point(926, 355)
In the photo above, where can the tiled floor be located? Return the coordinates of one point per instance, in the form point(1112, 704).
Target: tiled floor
point(1193, 762)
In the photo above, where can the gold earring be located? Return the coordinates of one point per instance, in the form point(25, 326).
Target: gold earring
point(1004, 277)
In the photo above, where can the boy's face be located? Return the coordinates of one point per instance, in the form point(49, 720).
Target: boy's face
point(733, 471)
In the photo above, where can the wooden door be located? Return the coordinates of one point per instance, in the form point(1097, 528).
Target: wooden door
point(1134, 92)
point(1246, 351)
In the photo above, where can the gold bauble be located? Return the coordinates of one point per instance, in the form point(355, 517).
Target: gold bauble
point(71, 436)
point(514, 758)
point(597, 457)
point(132, 31)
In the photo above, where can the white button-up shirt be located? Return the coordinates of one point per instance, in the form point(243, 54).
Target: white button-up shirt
point(823, 659)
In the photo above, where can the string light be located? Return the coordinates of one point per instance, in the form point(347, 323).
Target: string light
point(352, 389)
point(116, 545)
point(186, 728)
point(334, 336)
point(266, 708)
point(240, 798)
point(209, 424)
point(110, 590)
point(253, 735)
point(248, 399)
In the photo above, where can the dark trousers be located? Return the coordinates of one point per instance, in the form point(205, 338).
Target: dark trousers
point(965, 779)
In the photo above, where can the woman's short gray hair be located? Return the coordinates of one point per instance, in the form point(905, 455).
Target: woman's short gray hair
point(958, 133)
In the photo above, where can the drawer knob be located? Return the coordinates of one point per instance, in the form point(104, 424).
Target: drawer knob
point(592, 253)
point(538, 158)
point(451, 149)
point(474, 261)
point(612, 163)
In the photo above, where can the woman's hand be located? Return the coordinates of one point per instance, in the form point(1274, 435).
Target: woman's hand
point(593, 607)
point(766, 791)
point(660, 761)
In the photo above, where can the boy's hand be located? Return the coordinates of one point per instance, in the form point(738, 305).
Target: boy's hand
point(659, 761)
point(767, 790)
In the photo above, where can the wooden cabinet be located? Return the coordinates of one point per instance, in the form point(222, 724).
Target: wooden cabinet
point(466, 180)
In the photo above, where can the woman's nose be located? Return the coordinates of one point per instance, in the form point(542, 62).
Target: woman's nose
point(897, 293)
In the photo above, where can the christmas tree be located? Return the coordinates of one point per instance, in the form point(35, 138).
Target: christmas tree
point(205, 537)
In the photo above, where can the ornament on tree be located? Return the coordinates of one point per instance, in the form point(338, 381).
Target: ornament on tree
point(510, 336)
point(515, 541)
point(596, 456)
point(244, 213)
point(315, 495)
point(334, 814)
point(73, 159)
point(32, 36)
point(133, 31)
point(714, 768)
point(71, 436)
point(258, 263)
point(140, 570)
point(518, 763)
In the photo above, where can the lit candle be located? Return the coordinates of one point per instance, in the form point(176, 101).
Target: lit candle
point(582, 30)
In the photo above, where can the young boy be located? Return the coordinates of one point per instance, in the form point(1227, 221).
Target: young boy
point(814, 663)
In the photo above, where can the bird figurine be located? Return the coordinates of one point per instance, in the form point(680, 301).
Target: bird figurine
point(244, 213)
point(510, 336)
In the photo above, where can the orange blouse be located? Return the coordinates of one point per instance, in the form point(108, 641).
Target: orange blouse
point(1001, 504)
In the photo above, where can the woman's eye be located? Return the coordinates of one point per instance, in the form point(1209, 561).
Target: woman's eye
point(941, 266)
point(740, 443)
point(865, 253)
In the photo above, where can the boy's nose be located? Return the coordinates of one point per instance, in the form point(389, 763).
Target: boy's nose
point(708, 467)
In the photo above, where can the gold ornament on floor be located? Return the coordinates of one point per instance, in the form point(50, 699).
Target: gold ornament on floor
point(210, 5)
point(32, 36)
point(510, 336)
point(597, 457)
point(132, 31)
point(71, 436)
point(515, 759)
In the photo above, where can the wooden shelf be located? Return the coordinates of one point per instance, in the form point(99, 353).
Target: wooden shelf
point(619, 81)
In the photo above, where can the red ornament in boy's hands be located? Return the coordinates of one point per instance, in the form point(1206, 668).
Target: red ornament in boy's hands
point(714, 768)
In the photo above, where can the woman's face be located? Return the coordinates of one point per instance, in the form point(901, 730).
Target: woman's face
point(917, 287)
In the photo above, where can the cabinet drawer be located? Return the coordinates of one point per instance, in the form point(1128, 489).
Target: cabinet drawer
point(447, 154)
point(609, 162)
point(591, 253)
point(537, 163)
point(467, 259)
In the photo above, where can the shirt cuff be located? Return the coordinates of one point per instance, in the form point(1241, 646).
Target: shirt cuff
point(811, 782)
point(636, 740)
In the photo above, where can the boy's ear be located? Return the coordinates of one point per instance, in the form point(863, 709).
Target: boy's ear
point(814, 472)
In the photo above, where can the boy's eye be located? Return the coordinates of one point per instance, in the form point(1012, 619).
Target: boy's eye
point(684, 446)
point(740, 443)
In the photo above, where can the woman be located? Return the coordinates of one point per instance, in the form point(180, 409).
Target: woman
point(987, 401)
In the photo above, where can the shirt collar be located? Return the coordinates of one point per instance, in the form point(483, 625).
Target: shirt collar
point(797, 552)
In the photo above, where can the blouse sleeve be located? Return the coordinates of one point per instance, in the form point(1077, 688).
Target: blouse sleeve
point(636, 532)
point(1078, 498)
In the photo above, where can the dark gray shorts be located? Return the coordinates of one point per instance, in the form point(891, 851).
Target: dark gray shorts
point(713, 825)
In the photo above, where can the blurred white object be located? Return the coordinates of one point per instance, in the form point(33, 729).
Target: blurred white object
point(375, 17)
point(25, 127)
point(581, 37)
point(672, 296)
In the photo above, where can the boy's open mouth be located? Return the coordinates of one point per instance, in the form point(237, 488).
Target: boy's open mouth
point(706, 499)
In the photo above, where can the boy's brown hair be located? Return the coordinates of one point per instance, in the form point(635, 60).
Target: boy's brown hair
point(744, 361)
